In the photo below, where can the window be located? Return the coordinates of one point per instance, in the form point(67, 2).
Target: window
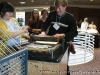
point(20, 16)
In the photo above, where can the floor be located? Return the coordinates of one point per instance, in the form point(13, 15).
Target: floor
point(82, 55)
point(90, 68)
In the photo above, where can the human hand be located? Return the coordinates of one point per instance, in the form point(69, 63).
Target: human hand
point(58, 35)
point(42, 34)
point(25, 28)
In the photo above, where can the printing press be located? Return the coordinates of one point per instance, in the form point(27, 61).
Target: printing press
point(46, 48)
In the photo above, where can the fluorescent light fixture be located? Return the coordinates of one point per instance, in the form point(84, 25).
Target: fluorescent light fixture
point(36, 9)
point(22, 2)
point(32, 0)
point(91, 0)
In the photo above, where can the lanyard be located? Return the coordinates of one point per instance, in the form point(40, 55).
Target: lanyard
point(59, 17)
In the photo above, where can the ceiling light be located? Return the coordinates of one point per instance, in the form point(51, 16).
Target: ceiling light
point(32, 0)
point(22, 2)
point(35, 9)
point(91, 0)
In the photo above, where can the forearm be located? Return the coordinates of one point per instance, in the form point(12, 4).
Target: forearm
point(16, 33)
point(25, 36)
point(59, 35)
point(36, 30)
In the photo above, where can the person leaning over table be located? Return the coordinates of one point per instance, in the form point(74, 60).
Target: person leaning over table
point(57, 16)
point(10, 25)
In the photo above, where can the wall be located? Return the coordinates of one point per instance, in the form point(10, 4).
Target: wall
point(27, 17)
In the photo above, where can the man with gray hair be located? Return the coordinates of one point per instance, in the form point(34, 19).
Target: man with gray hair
point(60, 23)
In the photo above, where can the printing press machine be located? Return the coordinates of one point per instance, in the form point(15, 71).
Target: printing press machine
point(46, 55)
point(46, 48)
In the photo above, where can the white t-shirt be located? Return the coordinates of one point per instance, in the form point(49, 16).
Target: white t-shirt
point(13, 26)
point(84, 26)
point(92, 26)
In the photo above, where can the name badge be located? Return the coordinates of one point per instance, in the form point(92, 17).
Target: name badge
point(56, 26)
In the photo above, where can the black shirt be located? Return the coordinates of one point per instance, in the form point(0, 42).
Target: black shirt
point(66, 19)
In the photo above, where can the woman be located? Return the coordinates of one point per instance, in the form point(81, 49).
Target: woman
point(92, 25)
point(35, 23)
point(44, 14)
point(10, 26)
point(84, 24)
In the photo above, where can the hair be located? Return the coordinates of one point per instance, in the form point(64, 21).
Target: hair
point(6, 7)
point(44, 10)
point(32, 16)
point(61, 2)
point(86, 19)
point(92, 22)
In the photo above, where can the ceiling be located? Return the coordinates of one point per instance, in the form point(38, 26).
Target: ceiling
point(40, 4)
